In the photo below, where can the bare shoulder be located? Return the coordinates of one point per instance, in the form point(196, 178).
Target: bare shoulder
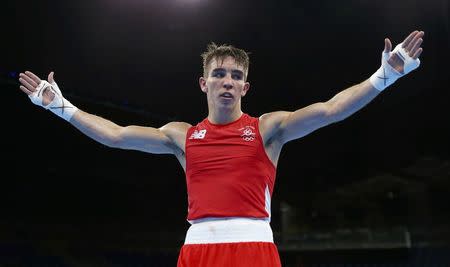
point(176, 131)
point(270, 124)
point(175, 128)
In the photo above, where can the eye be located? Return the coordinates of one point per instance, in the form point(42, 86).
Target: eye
point(218, 74)
point(236, 76)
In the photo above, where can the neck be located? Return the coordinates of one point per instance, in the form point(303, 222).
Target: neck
point(224, 116)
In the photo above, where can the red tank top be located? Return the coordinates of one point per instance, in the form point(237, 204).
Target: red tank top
point(228, 172)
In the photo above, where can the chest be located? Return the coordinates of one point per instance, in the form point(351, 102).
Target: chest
point(240, 140)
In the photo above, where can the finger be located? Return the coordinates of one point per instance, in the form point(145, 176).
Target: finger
point(50, 77)
point(413, 41)
point(417, 53)
point(25, 90)
point(29, 80)
point(27, 85)
point(387, 45)
point(415, 47)
point(409, 38)
point(33, 76)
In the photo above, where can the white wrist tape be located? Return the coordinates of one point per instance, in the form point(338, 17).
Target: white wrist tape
point(59, 105)
point(386, 74)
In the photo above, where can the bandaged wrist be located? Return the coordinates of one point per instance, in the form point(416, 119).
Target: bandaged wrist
point(62, 107)
point(386, 74)
point(384, 77)
point(59, 105)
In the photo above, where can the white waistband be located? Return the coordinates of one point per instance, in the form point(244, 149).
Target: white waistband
point(229, 230)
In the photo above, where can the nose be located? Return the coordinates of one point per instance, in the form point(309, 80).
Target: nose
point(228, 82)
point(227, 85)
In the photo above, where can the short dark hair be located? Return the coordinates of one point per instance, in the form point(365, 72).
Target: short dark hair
point(220, 52)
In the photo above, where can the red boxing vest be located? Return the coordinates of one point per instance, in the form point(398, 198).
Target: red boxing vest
point(228, 172)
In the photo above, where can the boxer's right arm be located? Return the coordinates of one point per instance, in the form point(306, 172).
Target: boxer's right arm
point(164, 140)
point(168, 139)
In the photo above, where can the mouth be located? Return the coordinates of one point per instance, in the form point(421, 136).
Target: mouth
point(226, 95)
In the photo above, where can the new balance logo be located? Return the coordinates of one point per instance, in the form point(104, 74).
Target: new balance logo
point(198, 134)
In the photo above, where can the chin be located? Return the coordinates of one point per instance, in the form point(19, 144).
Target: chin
point(229, 105)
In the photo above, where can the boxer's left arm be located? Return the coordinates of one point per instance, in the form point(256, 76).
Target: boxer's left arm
point(286, 126)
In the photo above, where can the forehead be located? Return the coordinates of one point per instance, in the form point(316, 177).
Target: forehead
point(227, 63)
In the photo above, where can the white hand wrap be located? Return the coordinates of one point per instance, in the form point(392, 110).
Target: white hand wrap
point(59, 105)
point(386, 74)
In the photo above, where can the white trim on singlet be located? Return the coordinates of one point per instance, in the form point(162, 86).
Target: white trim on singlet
point(268, 201)
point(229, 230)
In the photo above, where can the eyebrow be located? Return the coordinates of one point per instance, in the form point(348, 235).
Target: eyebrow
point(232, 71)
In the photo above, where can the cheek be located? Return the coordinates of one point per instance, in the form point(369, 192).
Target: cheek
point(213, 85)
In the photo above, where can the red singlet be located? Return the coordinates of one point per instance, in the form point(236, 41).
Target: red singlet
point(228, 172)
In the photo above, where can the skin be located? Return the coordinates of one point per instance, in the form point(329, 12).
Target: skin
point(276, 128)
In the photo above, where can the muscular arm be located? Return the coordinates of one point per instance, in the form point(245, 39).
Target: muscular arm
point(168, 139)
point(164, 140)
point(293, 125)
point(281, 127)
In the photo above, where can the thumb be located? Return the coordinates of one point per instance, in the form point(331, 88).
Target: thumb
point(50, 77)
point(387, 45)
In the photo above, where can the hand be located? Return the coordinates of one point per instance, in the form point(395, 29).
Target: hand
point(411, 44)
point(29, 83)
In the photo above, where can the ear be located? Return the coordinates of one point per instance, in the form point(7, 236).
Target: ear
point(202, 83)
point(245, 89)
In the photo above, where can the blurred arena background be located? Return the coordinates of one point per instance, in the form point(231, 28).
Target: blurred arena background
point(370, 191)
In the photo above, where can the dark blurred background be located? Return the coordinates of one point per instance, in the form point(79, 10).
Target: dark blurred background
point(373, 189)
